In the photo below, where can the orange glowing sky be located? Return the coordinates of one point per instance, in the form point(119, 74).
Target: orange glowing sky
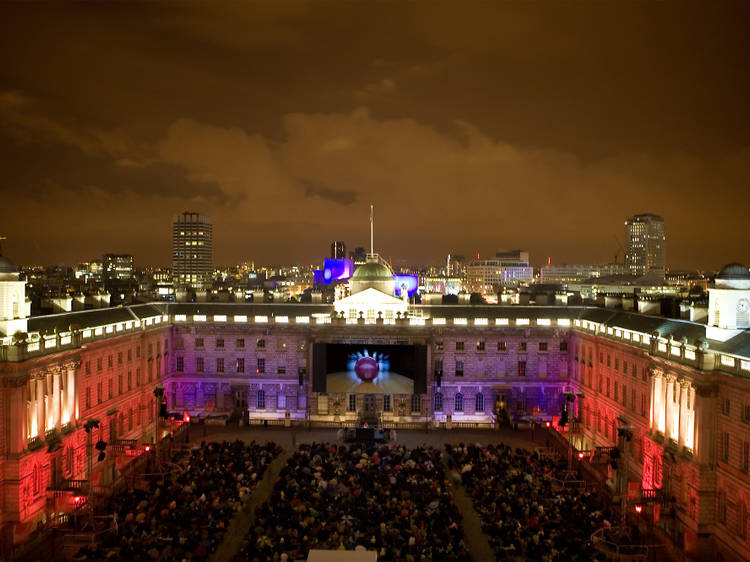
point(472, 127)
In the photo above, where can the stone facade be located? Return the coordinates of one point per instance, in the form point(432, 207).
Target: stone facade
point(684, 402)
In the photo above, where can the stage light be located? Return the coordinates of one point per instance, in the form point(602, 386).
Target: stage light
point(580, 456)
point(548, 424)
point(638, 509)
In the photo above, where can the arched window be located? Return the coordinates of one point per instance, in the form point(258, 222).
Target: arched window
point(479, 402)
point(459, 402)
point(439, 402)
point(416, 403)
point(261, 399)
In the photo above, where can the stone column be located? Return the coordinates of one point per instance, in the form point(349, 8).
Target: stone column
point(71, 408)
point(56, 397)
point(40, 421)
point(672, 410)
point(684, 390)
point(658, 416)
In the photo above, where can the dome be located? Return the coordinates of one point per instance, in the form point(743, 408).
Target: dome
point(733, 276)
point(373, 274)
point(734, 271)
point(372, 271)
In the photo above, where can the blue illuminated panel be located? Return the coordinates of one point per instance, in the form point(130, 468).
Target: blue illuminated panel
point(337, 270)
point(410, 282)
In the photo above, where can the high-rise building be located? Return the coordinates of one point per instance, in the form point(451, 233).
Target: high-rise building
point(117, 267)
point(359, 256)
point(646, 245)
point(192, 250)
point(338, 250)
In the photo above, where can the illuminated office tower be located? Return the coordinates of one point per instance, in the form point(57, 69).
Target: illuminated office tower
point(192, 250)
point(646, 245)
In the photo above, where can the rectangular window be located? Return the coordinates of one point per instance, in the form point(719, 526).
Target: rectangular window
point(88, 397)
point(643, 404)
point(564, 347)
point(199, 364)
point(261, 366)
point(352, 405)
point(138, 352)
point(179, 343)
point(522, 368)
point(199, 343)
point(88, 367)
point(219, 343)
point(721, 508)
point(99, 364)
point(239, 343)
point(280, 345)
point(130, 380)
point(726, 407)
point(459, 346)
point(109, 361)
point(745, 456)
point(724, 446)
point(632, 399)
point(459, 368)
point(480, 346)
point(119, 357)
point(609, 360)
point(281, 370)
point(219, 364)
point(130, 354)
point(746, 414)
point(99, 393)
point(617, 391)
point(501, 346)
point(542, 347)
point(438, 365)
point(386, 402)
point(180, 364)
point(438, 346)
point(110, 388)
point(119, 384)
point(607, 386)
point(260, 344)
point(240, 364)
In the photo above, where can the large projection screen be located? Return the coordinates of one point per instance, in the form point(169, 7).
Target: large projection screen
point(369, 368)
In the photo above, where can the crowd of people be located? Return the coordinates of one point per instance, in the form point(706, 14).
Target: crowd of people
point(184, 515)
point(525, 512)
point(386, 498)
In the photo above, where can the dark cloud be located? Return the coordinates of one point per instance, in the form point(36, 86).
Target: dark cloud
point(342, 197)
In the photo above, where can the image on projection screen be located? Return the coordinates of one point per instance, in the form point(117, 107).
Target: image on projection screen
point(380, 369)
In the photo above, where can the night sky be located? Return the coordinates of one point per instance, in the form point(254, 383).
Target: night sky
point(471, 127)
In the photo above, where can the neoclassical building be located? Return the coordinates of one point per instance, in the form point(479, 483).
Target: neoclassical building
point(672, 396)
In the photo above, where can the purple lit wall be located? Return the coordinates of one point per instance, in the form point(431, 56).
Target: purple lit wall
point(411, 282)
point(337, 270)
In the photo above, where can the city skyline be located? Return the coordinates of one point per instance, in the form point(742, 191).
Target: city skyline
point(470, 130)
